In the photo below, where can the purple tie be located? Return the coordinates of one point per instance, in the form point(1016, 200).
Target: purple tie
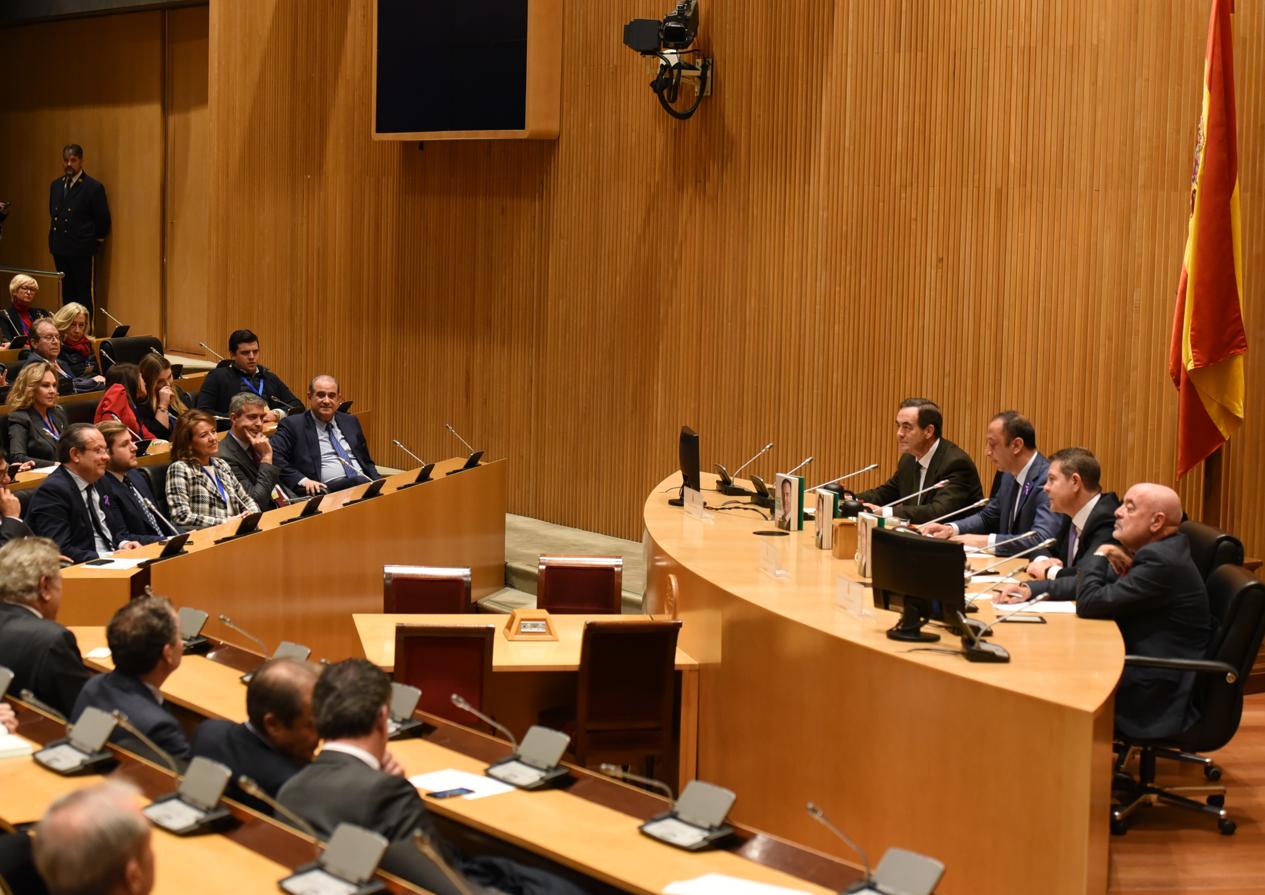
point(1073, 537)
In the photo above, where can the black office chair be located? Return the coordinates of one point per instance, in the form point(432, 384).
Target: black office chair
point(1211, 547)
point(1218, 695)
point(127, 350)
point(157, 476)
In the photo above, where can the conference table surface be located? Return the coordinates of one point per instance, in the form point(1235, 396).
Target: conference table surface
point(907, 745)
point(586, 834)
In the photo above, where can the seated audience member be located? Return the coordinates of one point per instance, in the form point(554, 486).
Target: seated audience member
point(249, 452)
point(279, 738)
point(1149, 585)
point(96, 840)
point(244, 373)
point(124, 394)
point(71, 320)
point(201, 488)
point(1088, 521)
point(35, 422)
point(322, 449)
point(43, 656)
point(926, 458)
point(69, 509)
point(128, 489)
point(11, 525)
point(16, 319)
point(161, 405)
point(46, 348)
point(1020, 503)
point(145, 646)
point(354, 779)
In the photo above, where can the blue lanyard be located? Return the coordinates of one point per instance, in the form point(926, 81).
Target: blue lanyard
point(219, 485)
point(49, 427)
point(259, 391)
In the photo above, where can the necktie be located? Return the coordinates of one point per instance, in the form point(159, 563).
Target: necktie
point(1073, 538)
point(150, 520)
point(98, 525)
point(343, 458)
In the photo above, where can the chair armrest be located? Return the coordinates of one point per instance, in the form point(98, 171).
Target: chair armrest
point(1203, 666)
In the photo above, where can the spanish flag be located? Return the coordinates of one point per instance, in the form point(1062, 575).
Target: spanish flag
point(1209, 340)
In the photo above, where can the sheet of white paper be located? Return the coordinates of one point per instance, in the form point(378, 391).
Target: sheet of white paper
point(991, 579)
point(1066, 607)
point(438, 781)
point(118, 563)
point(720, 884)
point(101, 652)
point(13, 746)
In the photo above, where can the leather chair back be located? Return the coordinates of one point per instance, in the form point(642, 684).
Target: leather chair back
point(441, 660)
point(580, 584)
point(415, 589)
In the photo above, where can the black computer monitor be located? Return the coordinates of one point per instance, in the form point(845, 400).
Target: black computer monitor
point(691, 477)
point(920, 577)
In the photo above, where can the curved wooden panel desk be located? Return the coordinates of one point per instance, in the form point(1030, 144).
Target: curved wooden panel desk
point(1001, 771)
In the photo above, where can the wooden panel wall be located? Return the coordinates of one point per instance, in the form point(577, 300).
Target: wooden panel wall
point(96, 82)
point(983, 202)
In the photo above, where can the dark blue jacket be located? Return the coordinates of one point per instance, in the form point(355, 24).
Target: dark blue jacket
point(1001, 518)
point(296, 450)
point(58, 512)
point(130, 695)
point(122, 499)
point(243, 751)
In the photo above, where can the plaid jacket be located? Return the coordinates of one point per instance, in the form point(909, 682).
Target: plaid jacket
point(194, 500)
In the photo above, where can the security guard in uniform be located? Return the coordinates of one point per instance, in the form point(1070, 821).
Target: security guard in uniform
point(80, 223)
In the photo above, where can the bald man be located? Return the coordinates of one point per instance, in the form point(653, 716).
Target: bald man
point(1149, 585)
point(96, 840)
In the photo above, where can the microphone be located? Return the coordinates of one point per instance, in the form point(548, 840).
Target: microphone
point(614, 770)
point(122, 721)
point(107, 355)
point(228, 622)
point(1001, 618)
point(43, 707)
point(212, 350)
point(983, 501)
point(117, 321)
point(802, 464)
point(153, 350)
point(458, 437)
point(427, 848)
point(727, 486)
point(939, 484)
point(764, 450)
point(866, 884)
point(1048, 542)
point(153, 509)
point(467, 707)
point(250, 787)
point(135, 434)
point(17, 328)
point(846, 476)
point(396, 442)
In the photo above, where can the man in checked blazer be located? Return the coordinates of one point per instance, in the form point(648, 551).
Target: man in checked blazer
point(926, 458)
point(322, 449)
point(1020, 503)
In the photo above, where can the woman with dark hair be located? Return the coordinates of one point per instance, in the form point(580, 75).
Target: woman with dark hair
point(161, 406)
point(201, 488)
point(121, 401)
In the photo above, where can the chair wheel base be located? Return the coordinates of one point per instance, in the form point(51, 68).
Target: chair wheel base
point(1119, 826)
point(1227, 826)
point(1216, 801)
point(1212, 772)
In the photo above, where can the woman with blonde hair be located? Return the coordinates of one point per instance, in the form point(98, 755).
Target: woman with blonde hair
point(71, 321)
point(161, 406)
point(36, 422)
point(201, 488)
point(16, 319)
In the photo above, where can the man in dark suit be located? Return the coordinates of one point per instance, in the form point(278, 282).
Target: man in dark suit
point(144, 640)
point(279, 738)
point(322, 449)
point(355, 780)
point(248, 452)
point(1150, 586)
point(69, 509)
point(244, 373)
point(11, 524)
point(1020, 503)
point(927, 458)
point(1088, 522)
point(46, 347)
point(43, 656)
point(128, 490)
point(79, 222)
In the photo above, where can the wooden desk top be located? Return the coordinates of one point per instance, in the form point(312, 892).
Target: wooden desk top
point(377, 636)
point(1068, 661)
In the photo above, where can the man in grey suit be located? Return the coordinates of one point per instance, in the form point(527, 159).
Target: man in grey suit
point(144, 640)
point(1150, 586)
point(248, 452)
point(1020, 504)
